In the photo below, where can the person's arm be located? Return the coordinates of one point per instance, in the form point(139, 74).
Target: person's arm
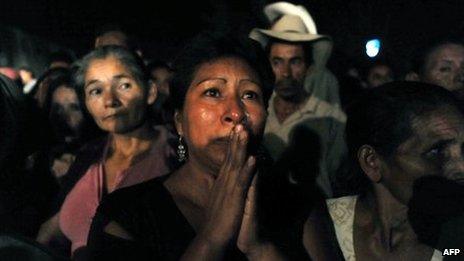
point(49, 231)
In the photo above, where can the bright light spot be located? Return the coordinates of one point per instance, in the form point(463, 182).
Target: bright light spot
point(373, 47)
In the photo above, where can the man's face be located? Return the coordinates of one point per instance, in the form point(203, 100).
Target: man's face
point(445, 67)
point(435, 148)
point(289, 66)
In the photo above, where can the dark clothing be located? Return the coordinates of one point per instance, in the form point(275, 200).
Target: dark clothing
point(148, 212)
point(24, 201)
point(436, 212)
point(87, 155)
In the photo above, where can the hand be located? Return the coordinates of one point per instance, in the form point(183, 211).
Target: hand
point(247, 240)
point(228, 195)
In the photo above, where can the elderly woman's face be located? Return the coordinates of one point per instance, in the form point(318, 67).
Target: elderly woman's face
point(223, 93)
point(435, 148)
point(445, 67)
point(114, 98)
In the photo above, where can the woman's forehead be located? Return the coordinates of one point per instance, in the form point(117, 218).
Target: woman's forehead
point(106, 68)
point(221, 67)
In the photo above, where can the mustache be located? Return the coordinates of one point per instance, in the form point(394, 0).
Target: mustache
point(288, 82)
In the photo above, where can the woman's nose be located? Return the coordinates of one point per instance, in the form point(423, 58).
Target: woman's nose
point(235, 112)
point(111, 99)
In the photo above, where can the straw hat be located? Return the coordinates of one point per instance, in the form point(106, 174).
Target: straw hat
point(293, 24)
point(276, 10)
point(288, 28)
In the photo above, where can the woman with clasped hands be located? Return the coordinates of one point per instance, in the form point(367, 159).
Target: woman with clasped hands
point(206, 210)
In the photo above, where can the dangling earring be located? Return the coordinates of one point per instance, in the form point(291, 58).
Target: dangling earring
point(181, 157)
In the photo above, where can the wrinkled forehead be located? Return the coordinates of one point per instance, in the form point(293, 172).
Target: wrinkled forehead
point(446, 51)
point(443, 123)
point(286, 50)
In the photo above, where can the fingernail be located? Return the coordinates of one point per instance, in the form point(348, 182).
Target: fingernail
point(251, 161)
point(238, 127)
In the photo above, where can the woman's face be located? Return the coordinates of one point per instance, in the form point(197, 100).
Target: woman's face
point(445, 67)
point(114, 98)
point(435, 148)
point(65, 105)
point(223, 93)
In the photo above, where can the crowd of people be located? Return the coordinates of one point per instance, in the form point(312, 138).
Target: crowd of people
point(243, 147)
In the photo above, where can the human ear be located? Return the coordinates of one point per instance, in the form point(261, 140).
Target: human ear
point(152, 93)
point(370, 163)
point(178, 122)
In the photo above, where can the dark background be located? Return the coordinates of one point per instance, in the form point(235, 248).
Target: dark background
point(164, 26)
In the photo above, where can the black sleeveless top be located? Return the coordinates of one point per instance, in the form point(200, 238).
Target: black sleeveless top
point(148, 212)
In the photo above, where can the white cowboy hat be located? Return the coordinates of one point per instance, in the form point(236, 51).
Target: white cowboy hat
point(276, 10)
point(292, 28)
point(288, 28)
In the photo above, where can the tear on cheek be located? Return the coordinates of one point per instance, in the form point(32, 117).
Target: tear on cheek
point(206, 116)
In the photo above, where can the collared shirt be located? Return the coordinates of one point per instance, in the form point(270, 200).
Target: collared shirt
point(326, 125)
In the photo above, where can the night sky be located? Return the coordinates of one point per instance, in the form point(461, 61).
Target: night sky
point(162, 29)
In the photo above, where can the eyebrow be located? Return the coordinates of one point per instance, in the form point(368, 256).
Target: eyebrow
point(446, 60)
point(211, 79)
point(120, 76)
point(116, 77)
point(440, 144)
point(225, 81)
point(90, 83)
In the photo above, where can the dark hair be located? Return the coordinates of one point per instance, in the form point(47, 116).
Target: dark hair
point(130, 60)
point(158, 64)
point(383, 116)
point(420, 57)
point(27, 69)
point(63, 79)
point(374, 63)
point(60, 56)
point(209, 46)
point(307, 48)
point(50, 75)
point(130, 39)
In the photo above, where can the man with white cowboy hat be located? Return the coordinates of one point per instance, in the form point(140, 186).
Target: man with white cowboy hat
point(306, 93)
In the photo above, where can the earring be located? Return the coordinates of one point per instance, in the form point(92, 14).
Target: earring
point(181, 157)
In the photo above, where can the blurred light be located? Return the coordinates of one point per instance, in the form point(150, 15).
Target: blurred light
point(373, 47)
